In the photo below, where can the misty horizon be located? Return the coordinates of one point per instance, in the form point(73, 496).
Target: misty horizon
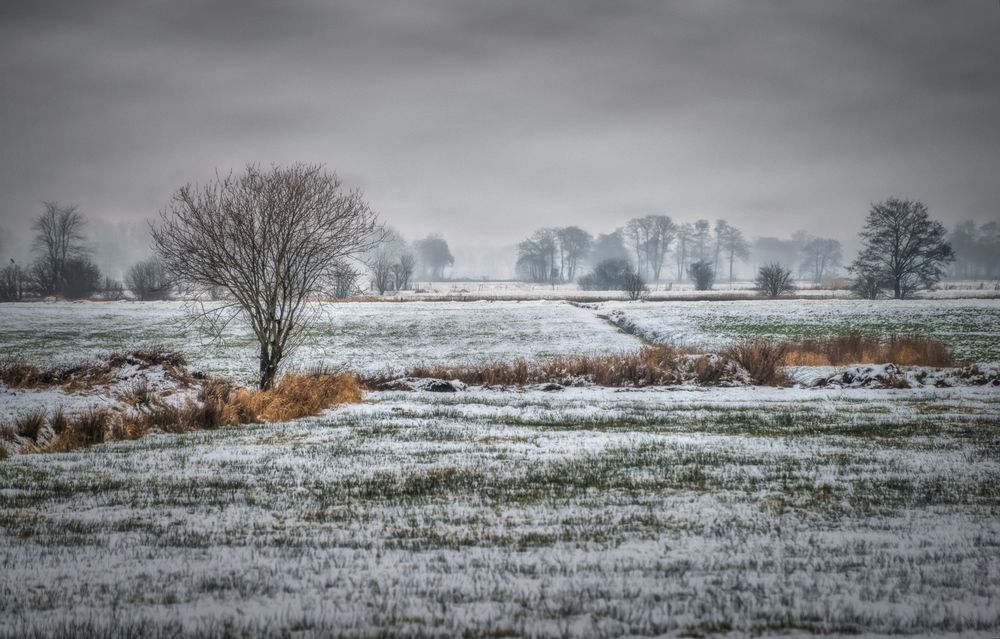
point(486, 123)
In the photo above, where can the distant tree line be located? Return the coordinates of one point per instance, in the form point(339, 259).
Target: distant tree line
point(903, 251)
point(654, 246)
point(646, 249)
point(977, 250)
point(63, 266)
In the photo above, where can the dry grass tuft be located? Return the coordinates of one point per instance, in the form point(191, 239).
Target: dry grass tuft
point(58, 421)
point(296, 395)
point(30, 424)
point(86, 429)
point(857, 348)
point(660, 365)
point(220, 403)
point(763, 360)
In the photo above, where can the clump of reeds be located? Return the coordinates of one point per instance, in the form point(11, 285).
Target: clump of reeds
point(858, 348)
point(762, 359)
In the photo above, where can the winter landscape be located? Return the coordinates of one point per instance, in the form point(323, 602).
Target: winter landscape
point(454, 319)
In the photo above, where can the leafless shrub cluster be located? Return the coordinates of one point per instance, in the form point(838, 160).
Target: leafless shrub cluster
point(148, 280)
point(774, 280)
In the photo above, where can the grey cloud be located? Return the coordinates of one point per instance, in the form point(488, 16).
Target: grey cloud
point(485, 120)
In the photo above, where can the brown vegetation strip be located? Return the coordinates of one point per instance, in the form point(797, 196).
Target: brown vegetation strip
point(220, 404)
point(79, 376)
point(857, 348)
point(757, 360)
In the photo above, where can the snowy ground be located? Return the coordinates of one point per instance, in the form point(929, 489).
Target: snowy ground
point(970, 326)
point(362, 336)
point(583, 512)
point(373, 336)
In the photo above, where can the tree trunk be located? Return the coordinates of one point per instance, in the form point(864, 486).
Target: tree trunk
point(270, 355)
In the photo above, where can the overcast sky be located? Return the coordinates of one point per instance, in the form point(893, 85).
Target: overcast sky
point(485, 120)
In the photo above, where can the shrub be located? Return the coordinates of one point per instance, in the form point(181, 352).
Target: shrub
point(86, 429)
point(82, 278)
point(868, 286)
point(634, 286)
point(702, 274)
point(30, 424)
point(148, 280)
point(58, 421)
point(762, 359)
point(112, 289)
point(13, 283)
point(773, 280)
point(607, 275)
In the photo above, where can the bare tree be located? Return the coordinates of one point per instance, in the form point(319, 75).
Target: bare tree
point(58, 239)
point(345, 279)
point(148, 280)
point(536, 256)
point(383, 277)
point(574, 244)
point(403, 270)
point(383, 260)
point(701, 241)
point(702, 274)
point(271, 238)
point(902, 247)
point(661, 234)
point(731, 244)
point(868, 286)
point(12, 283)
point(650, 238)
point(820, 257)
point(773, 280)
point(684, 234)
point(637, 234)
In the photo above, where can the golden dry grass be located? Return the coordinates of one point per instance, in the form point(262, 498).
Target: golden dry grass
point(650, 365)
point(296, 395)
point(762, 359)
point(220, 404)
point(856, 348)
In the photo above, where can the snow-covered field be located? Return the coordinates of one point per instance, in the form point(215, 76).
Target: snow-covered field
point(362, 336)
point(970, 326)
point(580, 513)
point(374, 336)
point(506, 290)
